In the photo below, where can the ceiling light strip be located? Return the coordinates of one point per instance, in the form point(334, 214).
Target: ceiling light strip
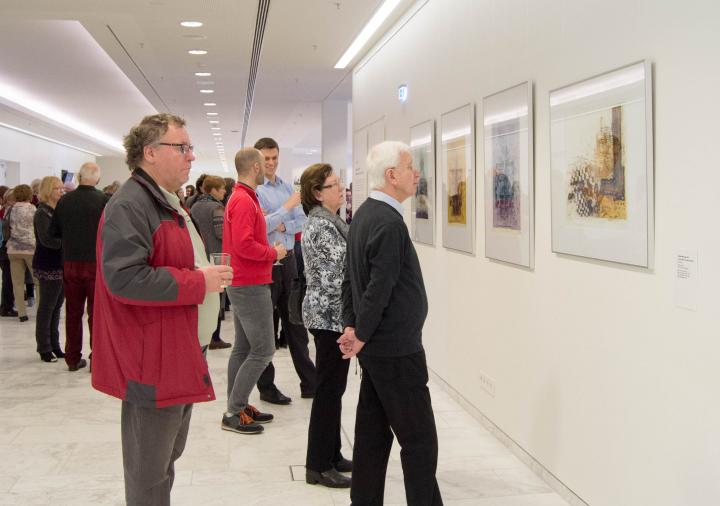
point(367, 32)
point(138, 68)
point(49, 139)
point(260, 22)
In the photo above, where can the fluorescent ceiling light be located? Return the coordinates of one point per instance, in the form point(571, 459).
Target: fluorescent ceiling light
point(49, 111)
point(197, 51)
point(215, 128)
point(213, 122)
point(368, 31)
point(49, 139)
point(211, 114)
point(207, 91)
point(191, 24)
point(209, 104)
point(203, 74)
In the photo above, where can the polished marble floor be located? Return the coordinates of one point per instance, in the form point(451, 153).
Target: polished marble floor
point(59, 444)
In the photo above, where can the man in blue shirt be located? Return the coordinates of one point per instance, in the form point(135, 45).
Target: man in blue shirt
point(284, 218)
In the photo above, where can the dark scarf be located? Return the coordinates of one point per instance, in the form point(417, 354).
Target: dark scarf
point(334, 218)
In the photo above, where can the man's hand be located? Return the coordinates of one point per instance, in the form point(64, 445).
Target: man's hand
point(293, 201)
point(281, 228)
point(350, 345)
point(281, 251)
point(217, 277)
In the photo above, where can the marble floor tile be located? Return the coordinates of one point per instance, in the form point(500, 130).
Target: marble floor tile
point(60, 443)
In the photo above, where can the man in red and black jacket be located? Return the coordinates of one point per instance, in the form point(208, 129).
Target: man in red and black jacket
point(148, 296)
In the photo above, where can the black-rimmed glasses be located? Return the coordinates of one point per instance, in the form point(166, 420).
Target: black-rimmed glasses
point(183, 148)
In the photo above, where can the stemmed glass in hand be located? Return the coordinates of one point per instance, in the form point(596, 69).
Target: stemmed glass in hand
point(276, 244)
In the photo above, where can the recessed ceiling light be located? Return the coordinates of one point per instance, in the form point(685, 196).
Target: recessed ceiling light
point(207, 91)
point(197, 51)
point(217, 133)
point(203, 74)
point(209, 104)
point(215, 128)
point(211, 113)
point(213, 122)
point(191, 24)
point(206, 83)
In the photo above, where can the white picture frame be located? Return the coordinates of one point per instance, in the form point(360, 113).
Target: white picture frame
point(423, 207)
point(457, 162)
point(602, 167)
point(509, 185)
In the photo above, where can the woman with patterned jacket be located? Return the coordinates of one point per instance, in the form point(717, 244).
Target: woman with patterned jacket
point(21, 245)
point(47, 266)
point(323, 247)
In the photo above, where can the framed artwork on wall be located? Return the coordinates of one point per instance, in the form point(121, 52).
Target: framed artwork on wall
point(602, 167)
point(422, 145)
point(509, 191)
point(457, 133)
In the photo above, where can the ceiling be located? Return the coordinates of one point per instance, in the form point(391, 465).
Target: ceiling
point(84, 71)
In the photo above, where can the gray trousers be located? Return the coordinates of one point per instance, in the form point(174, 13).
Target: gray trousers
point(254, 341)
point(152, 440)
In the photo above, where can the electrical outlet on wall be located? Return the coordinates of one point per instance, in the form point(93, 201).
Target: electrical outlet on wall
point(487, 384)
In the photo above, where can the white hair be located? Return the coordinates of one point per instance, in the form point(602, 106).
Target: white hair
point(88, 172)
point(382, 157)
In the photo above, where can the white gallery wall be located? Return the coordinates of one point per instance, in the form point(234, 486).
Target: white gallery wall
point(598, 374)
point(37, 158)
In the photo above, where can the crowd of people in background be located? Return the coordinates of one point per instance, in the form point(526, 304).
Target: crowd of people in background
point(139, 260)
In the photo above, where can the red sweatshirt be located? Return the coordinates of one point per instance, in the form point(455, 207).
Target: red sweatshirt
point(245, 239)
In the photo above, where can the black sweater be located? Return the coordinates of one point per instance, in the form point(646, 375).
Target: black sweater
point(75, 221)
point(383, 292)
point(48, 256)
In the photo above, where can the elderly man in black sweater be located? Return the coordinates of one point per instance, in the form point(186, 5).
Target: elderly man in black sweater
point(384, 308)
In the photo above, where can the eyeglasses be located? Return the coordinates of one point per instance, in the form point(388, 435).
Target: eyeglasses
point(183, 148)
point(337, 183)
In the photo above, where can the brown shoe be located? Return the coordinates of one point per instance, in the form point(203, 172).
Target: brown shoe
point(219, 345)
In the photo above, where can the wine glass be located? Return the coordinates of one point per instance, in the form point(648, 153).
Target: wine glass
point(276, 244)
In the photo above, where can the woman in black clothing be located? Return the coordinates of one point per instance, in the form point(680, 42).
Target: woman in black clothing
point(323, 246)
point(47, 267)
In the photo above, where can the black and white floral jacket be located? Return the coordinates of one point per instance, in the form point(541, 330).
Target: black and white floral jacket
point(324, 246)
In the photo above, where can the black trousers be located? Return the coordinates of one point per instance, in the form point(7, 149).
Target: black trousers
point(394, 395)
point(296, 335)
point(324, 444)
point(47, 327)
point(7, 300)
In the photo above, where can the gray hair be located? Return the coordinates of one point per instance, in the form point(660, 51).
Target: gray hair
point(382, 157)
point(89, 171)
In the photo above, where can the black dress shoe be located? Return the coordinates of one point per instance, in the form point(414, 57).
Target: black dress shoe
point(59, 353)
point(276, 397)
point(48, 357)
point(343, 465)
point(8, 312)
point(82, 363)
point(330, 478)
